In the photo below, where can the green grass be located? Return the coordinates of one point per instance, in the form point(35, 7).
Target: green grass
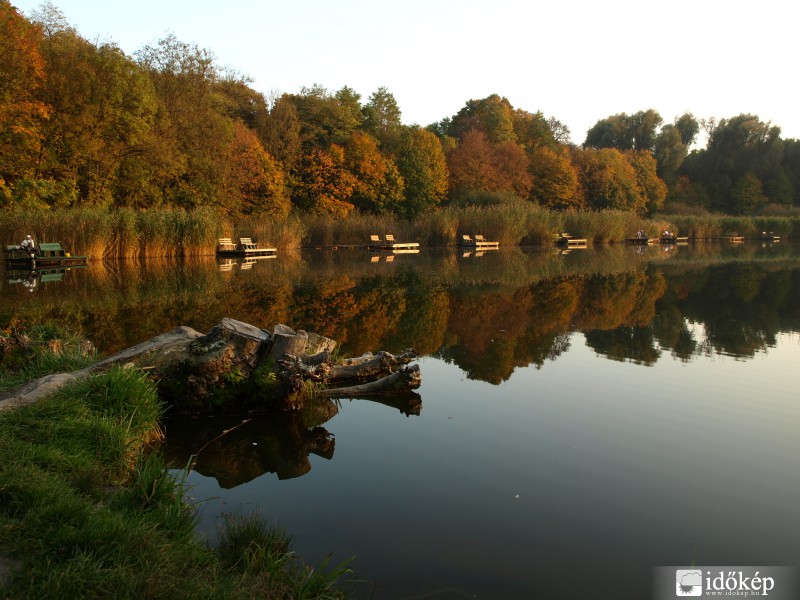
point(88, 508)
point(26, 352)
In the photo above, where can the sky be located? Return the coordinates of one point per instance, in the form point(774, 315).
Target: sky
point(576, 60)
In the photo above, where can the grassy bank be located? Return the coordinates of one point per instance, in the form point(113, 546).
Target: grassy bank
point(88, 509)
point(125, 233)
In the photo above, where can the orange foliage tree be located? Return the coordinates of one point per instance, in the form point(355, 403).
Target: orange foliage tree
point(554, 179)
point(478, 165)
point(325, 185)
point(21, 110)
point(255, 180)
point(379, 184)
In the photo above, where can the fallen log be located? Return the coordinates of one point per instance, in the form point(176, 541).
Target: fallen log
point(407, 378)
point(369, 367)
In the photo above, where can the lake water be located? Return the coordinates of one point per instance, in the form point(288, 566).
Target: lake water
point(583, 417)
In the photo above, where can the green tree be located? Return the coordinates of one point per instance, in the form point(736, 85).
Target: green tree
point(493, 115)
point(326, 118)
point(195, 138)
point(747, 194)
point(282, 133)
point(738, 149)
point(533, 131)
point(382, 118)
point(421, 162)
point(625, 132)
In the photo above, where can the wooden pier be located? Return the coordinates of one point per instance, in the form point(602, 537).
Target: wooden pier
point(733, 239)
point(478, 243)
point(246, 247)
point(565, 240)
point(389, 243)
point(674, 239)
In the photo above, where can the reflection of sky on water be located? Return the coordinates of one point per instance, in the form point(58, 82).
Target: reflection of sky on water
point(584, 465)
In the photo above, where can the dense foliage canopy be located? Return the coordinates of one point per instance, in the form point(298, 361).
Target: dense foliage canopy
point(81, 123)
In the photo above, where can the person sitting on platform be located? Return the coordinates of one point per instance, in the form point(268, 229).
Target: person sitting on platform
point(29, 246)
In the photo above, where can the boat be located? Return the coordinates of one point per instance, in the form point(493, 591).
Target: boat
point(49, 255)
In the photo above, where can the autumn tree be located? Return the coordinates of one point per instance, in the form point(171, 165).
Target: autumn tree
point(608, 180)
point(325, 185)
point(255, 182)
point(651, 188)
point(554, 181)
point(422, 164)
point(478, 165)
point(378, 183)
point(22, 111)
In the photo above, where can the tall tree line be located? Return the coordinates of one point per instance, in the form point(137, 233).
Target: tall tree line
point(82, 123)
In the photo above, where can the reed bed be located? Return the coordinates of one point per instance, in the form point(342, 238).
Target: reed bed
point(171, 232)
point(715, 225)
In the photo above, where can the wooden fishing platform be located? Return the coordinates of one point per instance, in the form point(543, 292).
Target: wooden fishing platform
point(674, 239)
point(639, 240)
point(478, 243)
point(246, 247)
point(389, 243)
point(565, 240)
point(733, 239)
point(49, 254)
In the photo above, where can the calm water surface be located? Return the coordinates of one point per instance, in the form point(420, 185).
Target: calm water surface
point(582, 418)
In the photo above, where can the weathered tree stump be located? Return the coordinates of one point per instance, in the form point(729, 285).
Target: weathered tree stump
point(237, 365)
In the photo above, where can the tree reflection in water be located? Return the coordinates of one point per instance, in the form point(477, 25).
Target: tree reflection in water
point(489, 315)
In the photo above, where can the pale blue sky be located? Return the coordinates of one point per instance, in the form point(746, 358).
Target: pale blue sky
point(576, 60)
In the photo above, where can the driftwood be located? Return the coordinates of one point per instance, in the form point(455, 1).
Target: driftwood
point(237, 364)
point(405, 379)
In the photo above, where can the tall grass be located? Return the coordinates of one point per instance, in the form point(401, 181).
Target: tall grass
point(711, 226)
point(127, 233)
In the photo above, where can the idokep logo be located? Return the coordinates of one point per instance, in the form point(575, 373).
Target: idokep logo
point(773, 583)
point(688, 582)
